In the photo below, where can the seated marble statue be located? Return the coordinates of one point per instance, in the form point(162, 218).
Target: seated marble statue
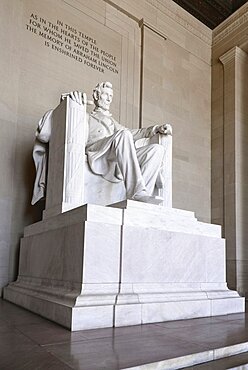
point(111, 150)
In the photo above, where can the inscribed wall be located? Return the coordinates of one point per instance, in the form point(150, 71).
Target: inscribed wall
point(52, 47)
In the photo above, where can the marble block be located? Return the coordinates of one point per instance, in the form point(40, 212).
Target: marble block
point(72, 178)
point(126, 264)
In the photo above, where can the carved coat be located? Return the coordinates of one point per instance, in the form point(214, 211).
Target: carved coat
point(40, 155)
point(100, 129)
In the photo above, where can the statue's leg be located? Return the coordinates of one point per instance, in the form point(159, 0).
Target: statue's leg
point(150, 158)
point(120, 148)
point(123, 149)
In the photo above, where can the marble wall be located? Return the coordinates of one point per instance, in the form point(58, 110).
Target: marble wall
point(230, 142)
point(157, 56)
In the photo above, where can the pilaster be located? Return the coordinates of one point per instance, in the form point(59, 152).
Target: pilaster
point(234, 61)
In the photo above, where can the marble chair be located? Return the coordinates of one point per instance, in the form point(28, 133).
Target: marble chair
point(71, 184)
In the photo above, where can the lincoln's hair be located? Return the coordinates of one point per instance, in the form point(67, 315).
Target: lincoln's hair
point(97, 90)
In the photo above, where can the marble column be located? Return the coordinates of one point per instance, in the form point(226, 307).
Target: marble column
point(235, 176)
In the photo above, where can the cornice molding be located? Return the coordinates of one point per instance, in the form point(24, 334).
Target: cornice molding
point(231, 55)
point(182, 17)
point(230, 25)
point(144, 23)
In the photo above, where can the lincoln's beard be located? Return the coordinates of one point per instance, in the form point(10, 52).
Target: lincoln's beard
point(103, 105)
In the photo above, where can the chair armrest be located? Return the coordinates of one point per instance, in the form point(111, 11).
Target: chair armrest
point(65, 183)
point(166, 142)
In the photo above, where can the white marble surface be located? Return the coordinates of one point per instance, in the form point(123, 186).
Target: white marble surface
point(99, 191)
point(215, 253)
point(56, 254)
point(227, 306)
point(230, 350)
point(79, 254)
point(171, 287)
point(84, 318)
point(175, 310)
point(101, 256)
point(88, 212)
point(149, 256)
point(40, 304)
point(176, 363)
point(129, 314)
point(89, 261)
point(172, 219)
point(70, 180)
point(66, 151)
point(194, 359)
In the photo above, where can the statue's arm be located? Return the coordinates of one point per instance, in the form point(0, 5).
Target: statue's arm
point(149, 132)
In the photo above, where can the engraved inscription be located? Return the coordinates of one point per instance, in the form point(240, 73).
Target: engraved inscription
point(73, 43)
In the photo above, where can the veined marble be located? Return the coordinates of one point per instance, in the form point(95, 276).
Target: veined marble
point(98, 266)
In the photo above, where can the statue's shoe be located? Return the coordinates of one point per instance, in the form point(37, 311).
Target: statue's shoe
point(148, 199)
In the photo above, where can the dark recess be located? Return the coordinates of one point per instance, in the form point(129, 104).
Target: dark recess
point(211, 12)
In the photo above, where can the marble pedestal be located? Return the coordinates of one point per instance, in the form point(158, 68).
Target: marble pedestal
point(127, 264)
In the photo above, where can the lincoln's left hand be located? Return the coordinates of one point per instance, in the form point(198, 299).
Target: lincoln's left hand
point(164, 129)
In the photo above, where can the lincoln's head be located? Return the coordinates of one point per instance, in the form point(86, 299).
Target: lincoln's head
point(103, 95)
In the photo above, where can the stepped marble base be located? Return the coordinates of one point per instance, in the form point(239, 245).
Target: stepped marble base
point(127, 264)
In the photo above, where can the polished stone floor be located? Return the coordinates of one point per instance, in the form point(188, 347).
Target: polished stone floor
point(29, 342)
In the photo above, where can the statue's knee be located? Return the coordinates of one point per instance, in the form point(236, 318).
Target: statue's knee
point(123, 138)
point(158, 149)
point(126, 135)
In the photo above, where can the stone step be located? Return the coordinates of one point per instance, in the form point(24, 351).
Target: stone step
point(138, 214)
point(236, 362)
point(231, 357)
point(129, 213)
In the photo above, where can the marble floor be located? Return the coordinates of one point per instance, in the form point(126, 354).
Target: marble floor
point(29, 342)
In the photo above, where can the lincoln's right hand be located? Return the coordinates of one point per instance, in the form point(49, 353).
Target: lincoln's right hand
point(76, 96)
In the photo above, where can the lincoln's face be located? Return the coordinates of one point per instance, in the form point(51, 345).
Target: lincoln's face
point(105, 98)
